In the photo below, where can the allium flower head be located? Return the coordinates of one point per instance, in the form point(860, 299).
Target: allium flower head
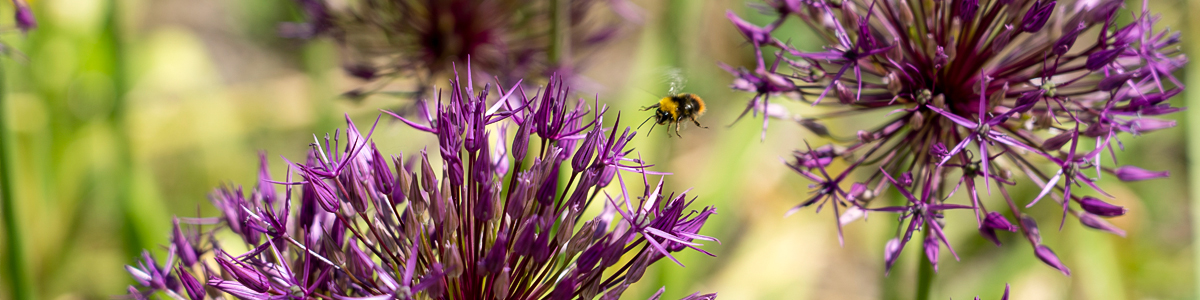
point(978, 96)
point(486, 217)
point(509, 39)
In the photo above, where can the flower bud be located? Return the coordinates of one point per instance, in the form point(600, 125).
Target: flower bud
point(24, 16)
point(583, 156)
point(891, 251)
point(1132, 173)
point(248, 277)
point(564, 290)
point(183, 247)
point(1096, 222)
point(1099, 59)
point(1067, 40)
point(194, 289)
point(931, 250)
point(521, 141)
point(1058, 141)
point(966, 9)
point(995, 220)
point(384, 180)
point(906, 179)
point(1047, 256)
point(454, 265)
point(1031, 228)
point(523, 245)
point(1037, 16)
point(1143, 125)
point(496, 257)
point(1100, 208)
point(1115, 81)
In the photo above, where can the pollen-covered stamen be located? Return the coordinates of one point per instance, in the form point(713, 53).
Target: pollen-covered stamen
point(982, 130)
point(1049, 89)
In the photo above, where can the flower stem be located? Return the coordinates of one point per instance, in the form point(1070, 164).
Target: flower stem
point(924, 274)
point(134, 222)
point(560, 45)
point(18, 278)
point(1193, 141)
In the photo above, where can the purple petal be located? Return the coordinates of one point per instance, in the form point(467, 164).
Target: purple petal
point(995, 220)
point(1037, 15)
point(953, 117)
point(1047, 256)
point(1096, 222)
point(237, 289)
point(1050, 184)
point(1132, 173)
point(1143, 125)
point(891, 251)
point(24, 17)
point(1101, 208)
point(931, 251)
point(1058, 141)
point(755, 34)
point(1098, 60)
point(193, 287)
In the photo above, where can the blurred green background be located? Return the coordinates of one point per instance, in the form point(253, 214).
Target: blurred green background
point(126, 113)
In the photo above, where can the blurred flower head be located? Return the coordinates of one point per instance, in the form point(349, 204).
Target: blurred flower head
point(483, 219)
point(978, 95)
point(507, 39)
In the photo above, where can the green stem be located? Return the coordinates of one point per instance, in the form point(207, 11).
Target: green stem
point(18, 277)
point(1193, 139)
point(122, 176)
point(560, 44)
point(924, 273)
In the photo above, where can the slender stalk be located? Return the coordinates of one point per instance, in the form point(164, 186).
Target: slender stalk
point(16, 272)
point(1193, 139)
point(135, 237)
point(924, 273)
point(560, 44)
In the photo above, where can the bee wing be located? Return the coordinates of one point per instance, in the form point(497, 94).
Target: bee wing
point(674, 79)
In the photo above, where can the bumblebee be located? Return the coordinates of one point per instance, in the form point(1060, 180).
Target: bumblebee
point(675, 110)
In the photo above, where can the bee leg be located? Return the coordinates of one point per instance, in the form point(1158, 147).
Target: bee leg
point(645, 108)
point(677, 129)
point(697, 122)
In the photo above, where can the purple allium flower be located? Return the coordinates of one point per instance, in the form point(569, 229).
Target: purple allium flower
point(994, 91)
point(366, 226)
point(508, 39)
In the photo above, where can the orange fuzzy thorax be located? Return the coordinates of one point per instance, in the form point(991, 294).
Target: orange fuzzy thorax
point(700, 102)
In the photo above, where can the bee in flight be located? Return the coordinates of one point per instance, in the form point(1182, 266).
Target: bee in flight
point(676, 107)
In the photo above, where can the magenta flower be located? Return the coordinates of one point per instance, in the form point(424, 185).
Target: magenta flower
point(1003, 92)
point(366, 226)
point(422, 39)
